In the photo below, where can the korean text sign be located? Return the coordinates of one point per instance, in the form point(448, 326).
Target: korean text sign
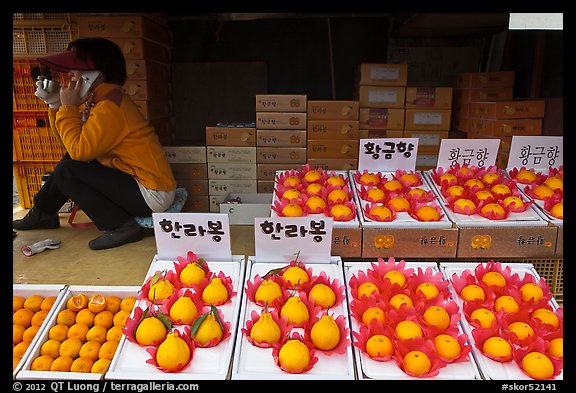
point(282, 238)
point(205, 234)
point(538, 152)
point(470, 152)
point(388, 154)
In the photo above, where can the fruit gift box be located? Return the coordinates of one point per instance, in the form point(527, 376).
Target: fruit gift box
point(405, 325)
point(82, 334)
point(293, 322)
point(513, 321)
point(32, 307)
point(184, 321)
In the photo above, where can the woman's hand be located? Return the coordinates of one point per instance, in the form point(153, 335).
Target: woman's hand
point(70, 95)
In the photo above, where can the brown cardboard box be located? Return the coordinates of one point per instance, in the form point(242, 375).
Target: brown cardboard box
point(381, 96)
point(506, 127)
point(268, 171)
point(223, 187)
point(333, 110)
point(374, 134)
point(280, 103)
point(335, 148)
point(337, 164)
point(189, 171)
point(383, 74)
point(409, 242)
point(234, 154)
point(470, 80)
point(484, 94)
point(381, 119)
point(283, 155)
point(215, 201)
point(230, 136)
point(194, 186)
point(280, 121)
point(281, 138)
point(226, 171)
point(347, 242)
point(140, 69)
point(129, 26)
point(197, 204)
point(428, 141)
point(427, 120)
point(141, 48)
point(186, 154)
point(429, 97)
point(333, 129)
point(517, 109)
point(265, 186)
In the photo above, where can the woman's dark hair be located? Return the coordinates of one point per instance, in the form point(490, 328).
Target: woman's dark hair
point(106, 55)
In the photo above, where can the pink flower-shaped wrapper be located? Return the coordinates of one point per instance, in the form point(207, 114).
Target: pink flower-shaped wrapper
point(226, 327)
point(368, 208)
point(363, 194)
point(191, 258)
point(417, 206)
point(366, 332)
point(491, 215)
point(498, 175)
point(465, 348)
point(290, 285)
point(361, 278)
point(427, 276)
point(464, 171)
point(357, 175)
point(329, 178)
point(282, 176)
point(539, 345)
point(549, 204)
point(308, 168)
point(280, 190)
point(551, 336)
point(169, 275)
point(226, 280)
point(481, 335)
point(132, 323)
point(312, 309)
point(420, 197)
point(515, 206)
point(453, 311)
point(294, 336)
point(344, 342)
point(457, 208)
point(358, 307)
point(494, 266)
point(445, 191)
point(559, 312)
point(252, 287)
point(407, 183)
point(422, 345)
point(307, 209)
point(282, 323)
point(339, 290)
point(336, 200)
point(349, 217)
point(437, 174)
point(546, 292)
point(184, 292)
point(181, 367)
point(513, 173)
point(501, 192)
point(524, 317)
point(529, 190)
point(279, 205)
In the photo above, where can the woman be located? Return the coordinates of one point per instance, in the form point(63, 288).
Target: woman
point(115, 168)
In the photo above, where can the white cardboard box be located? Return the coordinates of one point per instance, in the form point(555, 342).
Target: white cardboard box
point(243, 208)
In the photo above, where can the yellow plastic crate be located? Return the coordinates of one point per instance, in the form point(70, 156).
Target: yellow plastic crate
point(31, 41)
point(33, 139)
point(28, 178)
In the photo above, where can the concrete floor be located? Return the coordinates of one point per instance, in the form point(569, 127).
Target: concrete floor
point(74, 263)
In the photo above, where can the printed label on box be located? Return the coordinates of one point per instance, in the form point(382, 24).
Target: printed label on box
point(387, 154)
point(382, 96)
point(538, 152)
point(384, 73)
point(471, 152)
point(422, 118)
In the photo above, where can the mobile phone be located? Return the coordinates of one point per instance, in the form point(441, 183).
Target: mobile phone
point(88, 77)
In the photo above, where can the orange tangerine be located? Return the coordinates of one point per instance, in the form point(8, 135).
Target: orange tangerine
point(337, 195)
point(340, 210)
point(336, 181)
point(315, 202)
point(291, 181)
point(373, 313)
point(500, 189)
point(427, 213)
point(79, 331)
point(58, 332)
point(70, 347)
point(291, 193)
point(17, 333)
point(97, 303)
point(417, 362)
point(381, 211)
point(455, 191)
point(86, 317)
point(484, 195)
point(369, 178)
point(30, 333)
point(100, 366)
point(525, 176)
point(295, 275)
point(19, 349)
point(38, 317)
point(322, 295)
point(379, 345)
point(314, 188)
point(472, 292)
point(90, 350)
point(400, 204)
point(546, 316)
point(41, 363)
point(484, 316)
point(399, 299)
point(473, 182)
point(17, 303)
point(406, 330)
point(292, 210)
point(127, 303)
point(493, 208)
point(23, 317)
point(531, 291)
point(437, 316)
point(557, 347)
point(514, 201)
point(393, 185)
point(464, 203)
point(521, 329)
point(489, 178)
point(543, 191)
point(447, 346)
point(537, 365)
point(114, 333)
point(448, 178)
point(366, 288)
point(120, 318)
point(465, 170)
point(61, 363)
point(47, 303)
point(97, 333)
point(507, 303)
point(410, 179)
point(107, 350)
point(113, 303)
point(375, 194)
point(51, 348)
point(555, 183)
point(104, 318)
point(312, 176)
point(81, 365)
point(417, 192)
point(557, 210)
point(494, 278)
point(66, 317)
point(395, 277)
point(429, 290)
point(33, 303)
point(77, 302)
point(497, 347)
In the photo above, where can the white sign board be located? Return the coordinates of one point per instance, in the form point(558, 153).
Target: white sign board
point(538, 152)
point(205, 234)
point(471, 152)
point(387, 154)
point(278, 239)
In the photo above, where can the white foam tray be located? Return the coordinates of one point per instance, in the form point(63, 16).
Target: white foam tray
point(490, 368)
point(43, 290)
point(207, 363)
point(370, 369)
point(251, 362)
point(529, 217)
point(67, 293)
point(403, 219)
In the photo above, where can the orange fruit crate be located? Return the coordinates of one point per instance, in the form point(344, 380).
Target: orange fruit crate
point(33, 139)
point(28, 177)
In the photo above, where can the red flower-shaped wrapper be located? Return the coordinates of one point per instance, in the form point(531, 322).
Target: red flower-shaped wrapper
point(337, 216)
point(463, 206)
point(280, 190)
point(333, 178)
point(340, 195)
point(448, 193)
point(252, 287)
point(469, 307)
point(299, 285)
point(408, 178)
point(513, 173)
point(464, 171)
point(309, 207)
point(374, 217)
point(334, 285)
point(358, 176)
point(184, 292)
point(169, 275)
point(490, 175)
point(414, 212)
point(278, 304)
point(283, 176)
point(344, 342)
point(132, 323)
point(539, 345)
point(423, 345)
point(558, 313)
point(472, 185)
point(279, 205)
point(316, 171)
point(531, 300)
point(425, 277)
point(381, 267)
point(529, 190)
point(437, 174)
point(549, 203)
point(226, 280)
point(295, 336)
point(364, 194)
point(358, 307)
point(420, 195)
point(551, 336)
point(491, 214)
point(366, 332)
point(516, 203)
point(191, 258)
point(528, 327)
point(481, 335)
point(361, 278)
point(465, 348)
point(494, 266)
point(504, 189)
point(453, 312)
point(225, 326)
point(181, 367)
point(282, 323)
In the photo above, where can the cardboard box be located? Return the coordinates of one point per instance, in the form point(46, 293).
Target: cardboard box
point(265, 186)
point(381, 118)
point(194, 186)
point(268, 171)
point(409, 242)
point(215, 201)
point(128, 26)
point(280, 121)
point(335, 148)
point(333, 129)
point(428, 141)
point(383, 74)
point(428, 97)
point(242, 209)
point(235, 154)
point(470, 80)
point(427, 120)
point(347, 242)
point(506, 127)
point(483, 94)
point(374, 134)
point(142, 48)
point(333, 110)
point(186, 154)
point(337, 164)
point(283, 155)
point(197, 204)
point(517, 109)
point(189, 171)
point(230, 136)
point(381, 96)
point(281, 138)
point(140, 69)
point(223, 187)
point(237, 171)
point(281, 103)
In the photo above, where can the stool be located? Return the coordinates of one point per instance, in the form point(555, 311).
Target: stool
point(176, 207)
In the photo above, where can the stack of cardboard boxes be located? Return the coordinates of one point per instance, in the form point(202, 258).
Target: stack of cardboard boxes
point(280, 135)
point(333, 134)
point(146, 41)
point(231, 157)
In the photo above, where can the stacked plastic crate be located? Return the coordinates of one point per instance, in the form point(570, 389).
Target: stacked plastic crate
point(35, 149)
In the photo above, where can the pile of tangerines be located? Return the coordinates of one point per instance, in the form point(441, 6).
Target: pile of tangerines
point(546, 188)
point(383, 197)
point(407, 316)
point(311, 191)
point(295, 317)
point(180, 313)
point(512, 319)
